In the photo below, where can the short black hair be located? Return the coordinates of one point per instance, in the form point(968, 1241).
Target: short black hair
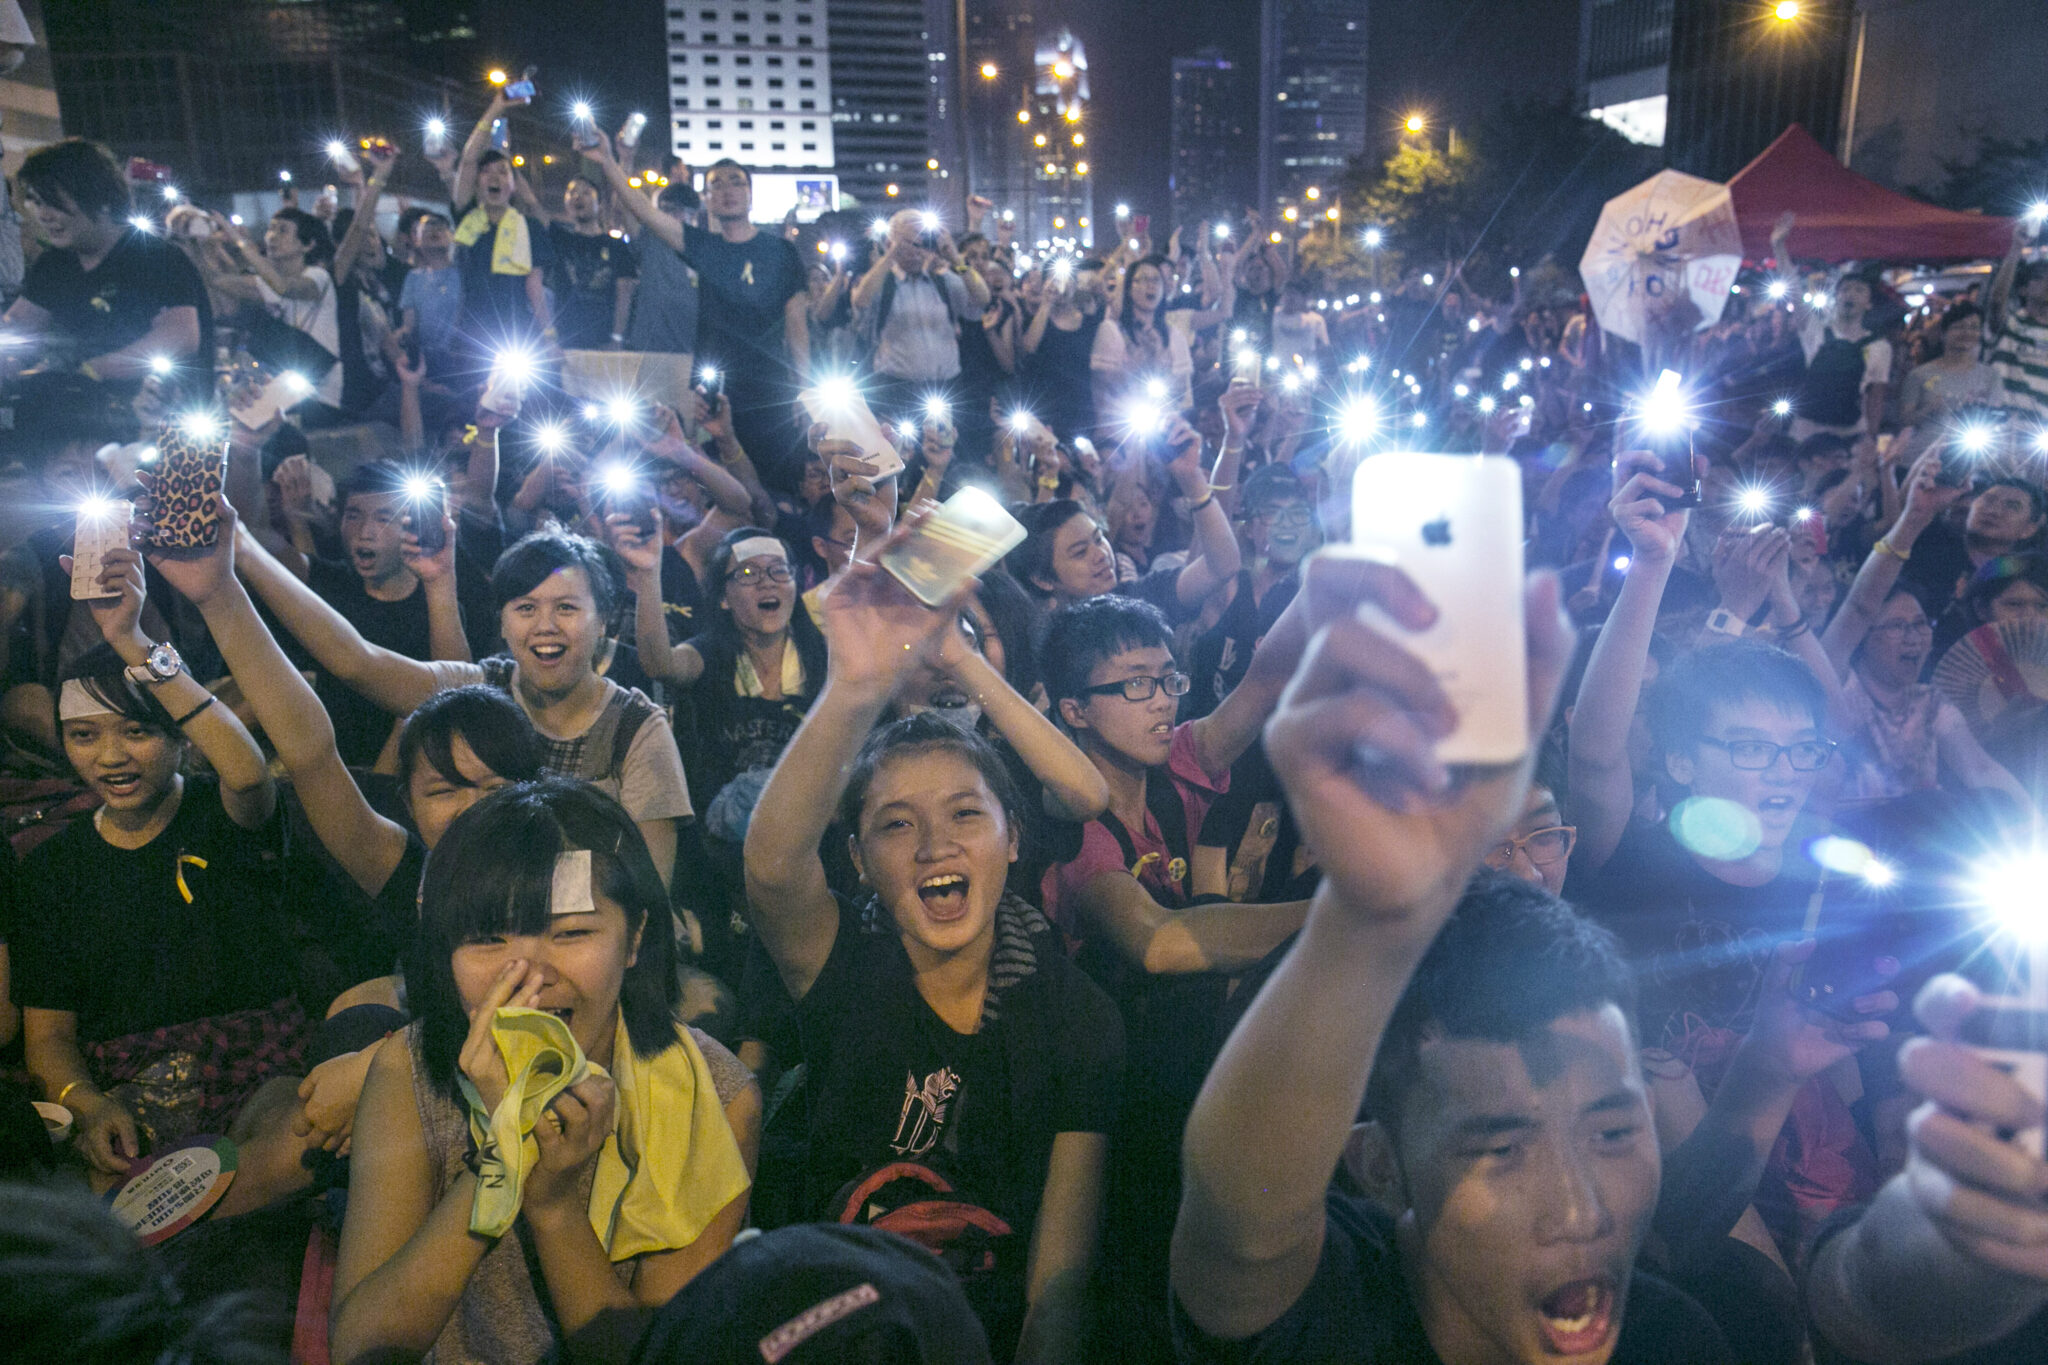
point(526, 565)
point(421, 215)
point(312, 233)
point(1010, 612)
point(1081, 635)
point(2036, 497)
point(1511, 959)
point(1032, 559)
point(677, 197)
point(83, 173)
point(1741, 670)
point(370, 478)
point(102, 674)
point(922, 733)
point(1991, 581)
point(725, 162)
point(492, 158)
point(1965, 311)
point(497, 730)
point(493, 872)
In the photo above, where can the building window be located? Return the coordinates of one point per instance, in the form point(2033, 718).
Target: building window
point(803, 40)
point(808, 104)
point(746, 146)
point(809, 126)
point(807, 61)
point(712, 80)
point(743, 60)
point(708, 39)
point(775, 83)
point(741, 39)
point(810, 146)
point(745, 82)
point(778, 146)
point(715, 146)
point(775, 104)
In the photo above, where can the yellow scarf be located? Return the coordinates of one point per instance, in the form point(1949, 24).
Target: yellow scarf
point(669, 1166)
point(746, 681)
point(511, 248)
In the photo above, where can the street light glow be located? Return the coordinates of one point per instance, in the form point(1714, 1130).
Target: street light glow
point(988, 71)
point(1786, 11)
point(1415, 123)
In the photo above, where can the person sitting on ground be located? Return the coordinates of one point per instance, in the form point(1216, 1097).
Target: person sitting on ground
point(1012, 1055)
point(540, 897)
point(556, 596)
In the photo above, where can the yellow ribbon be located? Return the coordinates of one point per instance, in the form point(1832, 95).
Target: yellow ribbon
point(196, 861)
point(511, 247)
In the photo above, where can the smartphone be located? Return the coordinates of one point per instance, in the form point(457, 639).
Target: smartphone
point(629, 499)
point(521, 90)
point(1141, 225)
point(847, 418)
point(2012, 1036)
point(1453, 524)
point(277, 395)
point(102, 526)
point(963, 538)
point(192, 461)
point(410, 345)
point(1854, 925)
point(1980, 433)
point(1665, 425)
point(1248, 367)
point(710, 383)
point(435, 140)
point(425, 509)
point(501, 136)
point(629, 135)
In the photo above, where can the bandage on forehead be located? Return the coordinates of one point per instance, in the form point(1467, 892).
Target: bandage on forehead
point(759, 547)
point(571, 893)
point(76, 702)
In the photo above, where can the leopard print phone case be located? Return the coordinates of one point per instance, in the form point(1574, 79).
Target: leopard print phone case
point(192, 459)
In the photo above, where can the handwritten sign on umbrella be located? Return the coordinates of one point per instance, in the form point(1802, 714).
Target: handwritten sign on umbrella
point(1663, 257)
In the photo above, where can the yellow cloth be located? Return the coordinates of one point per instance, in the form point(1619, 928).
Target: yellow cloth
point(669, 1166)
point(747, 682)
point(511, 248)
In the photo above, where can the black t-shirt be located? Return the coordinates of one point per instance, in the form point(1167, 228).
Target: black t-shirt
point(1700, 945)
point(103, 309)
point(889, 1080)
point(1221, 654)
point(494, 307)
point(585, 280)
point(108, 934)
point(742, 288)
point(1358, 1309)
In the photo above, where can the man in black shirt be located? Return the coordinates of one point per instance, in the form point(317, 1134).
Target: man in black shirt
point(105, 296)
point(1514, 1128)
point(753, 323)
point(594, 274)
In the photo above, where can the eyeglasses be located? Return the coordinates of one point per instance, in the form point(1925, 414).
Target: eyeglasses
point(753, 575)
point(1142, 687)
point(1286, 516)
point(1545, 847)
point(1755, 755)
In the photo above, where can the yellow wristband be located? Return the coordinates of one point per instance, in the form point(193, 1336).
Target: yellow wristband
point(67, 1090)
point(1885, 547)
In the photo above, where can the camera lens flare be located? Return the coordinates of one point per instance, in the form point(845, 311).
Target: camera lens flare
point(1358, 419)
point(928, 220)
point(1753, 501)
point(1486, 403)
point(551, 438)
point(1664, 410)
point(201, 425)
point(1975, 438)
point(937, 409)
point(621, 410)
point(421, 487)
point(837, 393)
point(1782, 408)
point(2009, 888)
point(295, 383)
point(618, 480)
point(159, 365)
point(580, 111)
point(1020, 421)
point(96, 509)
point(1776, 289)
point(516, 364)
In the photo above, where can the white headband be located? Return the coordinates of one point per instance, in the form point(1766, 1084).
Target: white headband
point(570, 894)
point(759, 547)
point(74, 702)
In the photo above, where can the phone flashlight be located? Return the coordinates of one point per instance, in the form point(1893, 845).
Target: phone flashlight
point(581, 112)
point(1782, 408)
point(159, 365)
point(838, 251)
point(1020, 421)
point(1358, 419)
point(937, 409)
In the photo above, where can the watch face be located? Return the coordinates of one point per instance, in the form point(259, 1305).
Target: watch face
point(163, 661)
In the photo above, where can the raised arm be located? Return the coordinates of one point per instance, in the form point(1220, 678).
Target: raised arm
point(1926, 500)
point(1223, 735)
point(642, 553)
point(367, 845)
point(1999, 298)
point(463, 188)
point(1397, 845)
point(393, 681)
point(875, 632)
point(382, 156)
point(1074, 788)
point(1216, 558)
point(663, 225)
point(1602, 783)
point(246, 790)
point(1953, 1252)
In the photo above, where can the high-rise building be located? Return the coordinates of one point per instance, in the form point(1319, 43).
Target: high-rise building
point(1740, 75)
point(755, 85)
point(1312, 109)
point(882, 75)
point(1060, 197)
point(1215, 124)
point(999, 58)
point(228, 92)
point(1624, 65)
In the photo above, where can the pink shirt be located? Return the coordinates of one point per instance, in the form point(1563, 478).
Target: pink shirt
point(1061, 889)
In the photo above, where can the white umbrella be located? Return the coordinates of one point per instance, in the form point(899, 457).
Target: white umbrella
point(1670, 241)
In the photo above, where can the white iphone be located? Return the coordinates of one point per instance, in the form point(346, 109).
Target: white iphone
point(1453, 524)
point(846, 417)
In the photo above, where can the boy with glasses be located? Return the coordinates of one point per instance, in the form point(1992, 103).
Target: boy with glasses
point(1124, 901)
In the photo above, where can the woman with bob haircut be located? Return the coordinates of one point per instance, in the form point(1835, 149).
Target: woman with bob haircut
point(1012, 1054)
point(540, 897)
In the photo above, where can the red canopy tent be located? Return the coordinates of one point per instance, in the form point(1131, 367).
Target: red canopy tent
point(1843, 216)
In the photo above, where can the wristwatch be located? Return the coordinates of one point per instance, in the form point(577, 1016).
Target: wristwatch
point(1725, 622)
point(162, 665)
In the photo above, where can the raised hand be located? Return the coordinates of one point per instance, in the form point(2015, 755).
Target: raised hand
point(1354, 740)
point(875, 631)
point(202, 575)
point(430, 568)
point(1239, 404)
point(117, 611)
point(1746, 563)
point(1796, 1043)
point(1926, 496)
point(640, 549)
point(518, 983)
point(1640, 508)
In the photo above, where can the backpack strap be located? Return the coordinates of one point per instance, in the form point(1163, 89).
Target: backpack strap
point(637, 711)
point(1163, 802)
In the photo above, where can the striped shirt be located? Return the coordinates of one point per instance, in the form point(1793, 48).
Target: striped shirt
point(2020, 352)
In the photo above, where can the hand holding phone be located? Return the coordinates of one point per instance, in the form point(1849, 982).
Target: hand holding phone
point(426, 511)
point(103, 525)
point(846, 417)
point(962, 538)
point(184, 513)
point(1453, 524)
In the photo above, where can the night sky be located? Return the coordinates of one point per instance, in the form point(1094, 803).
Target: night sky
point(1458, 56)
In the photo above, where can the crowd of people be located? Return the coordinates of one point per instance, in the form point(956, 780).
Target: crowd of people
point(607, 912)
